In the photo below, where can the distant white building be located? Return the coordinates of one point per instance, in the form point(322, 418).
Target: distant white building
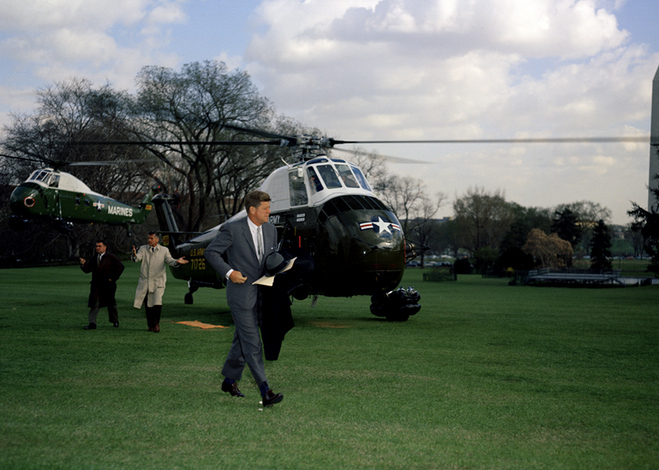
point(654, 141)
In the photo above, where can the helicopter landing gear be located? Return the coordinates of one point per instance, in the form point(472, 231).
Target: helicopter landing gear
point(17, 223)
point(188, 297)
point(63, 227)
point(396, 305)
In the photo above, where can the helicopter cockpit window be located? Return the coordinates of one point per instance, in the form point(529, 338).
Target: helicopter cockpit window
point(296, 188)
point(54, 181)
point(361, 178)
point(347, 177)
point(39, 175)
point(329, 176)
point(314, 181)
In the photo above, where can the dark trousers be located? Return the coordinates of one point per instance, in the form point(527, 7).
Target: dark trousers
point(152, 314)
point(113, 313)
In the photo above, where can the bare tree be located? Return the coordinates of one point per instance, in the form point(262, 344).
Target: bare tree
point(483, 218)
point(194, 105)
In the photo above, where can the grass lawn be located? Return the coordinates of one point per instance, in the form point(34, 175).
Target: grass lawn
point(485, 376)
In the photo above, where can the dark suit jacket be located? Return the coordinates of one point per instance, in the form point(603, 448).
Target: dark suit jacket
point(235, 242)
point(104, 278)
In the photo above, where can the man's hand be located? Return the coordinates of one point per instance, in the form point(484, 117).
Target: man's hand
point(82, 261)
point(134, 251)
point(182, 260)
point(237, 278)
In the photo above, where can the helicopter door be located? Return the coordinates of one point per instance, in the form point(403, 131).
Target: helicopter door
point(296, 188)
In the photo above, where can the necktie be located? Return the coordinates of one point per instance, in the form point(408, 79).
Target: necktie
point(259, 244)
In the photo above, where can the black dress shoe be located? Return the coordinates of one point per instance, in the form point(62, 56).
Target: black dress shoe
point(232, 389)
point(116, 324)
point(91, 326)
point(271, 398)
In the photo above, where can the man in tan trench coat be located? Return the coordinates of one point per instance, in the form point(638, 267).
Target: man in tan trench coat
point(153, 276)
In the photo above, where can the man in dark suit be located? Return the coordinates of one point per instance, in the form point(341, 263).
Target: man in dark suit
point(106, 269)
point(245, 242)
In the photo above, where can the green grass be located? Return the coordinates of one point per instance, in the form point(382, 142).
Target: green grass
point(485, 376)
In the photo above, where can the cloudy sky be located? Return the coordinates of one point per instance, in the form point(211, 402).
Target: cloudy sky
point(391, 69)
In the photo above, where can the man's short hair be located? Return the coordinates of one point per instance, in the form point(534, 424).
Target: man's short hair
point(154, 233)
point(102, 241)
point(255, 198)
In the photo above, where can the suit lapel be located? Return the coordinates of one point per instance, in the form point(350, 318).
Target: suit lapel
point(248, 238)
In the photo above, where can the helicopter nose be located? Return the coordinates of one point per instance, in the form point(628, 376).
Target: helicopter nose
point(367, 249)
point(23, 200)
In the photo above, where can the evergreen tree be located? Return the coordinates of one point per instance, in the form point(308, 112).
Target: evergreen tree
point(566, 226)
point(647, 224)
point(601, 247)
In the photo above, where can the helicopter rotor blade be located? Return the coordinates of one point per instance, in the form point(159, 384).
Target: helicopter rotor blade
point(16, 157)
point(387, 158)
point(540, 140)
point(109, 163)
point(179, 142)
point(260, 133)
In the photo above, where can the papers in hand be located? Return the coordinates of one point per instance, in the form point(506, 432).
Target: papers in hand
point(269, 280)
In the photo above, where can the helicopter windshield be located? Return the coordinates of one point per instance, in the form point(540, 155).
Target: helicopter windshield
point(329, 176)
point(346, 176)
point(316, 185)
point(45, 176)
point(335, 176)
point(362, 179)
point(39, 175)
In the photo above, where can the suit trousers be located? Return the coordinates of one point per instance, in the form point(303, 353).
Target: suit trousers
point(246, 348)
point(113, 313)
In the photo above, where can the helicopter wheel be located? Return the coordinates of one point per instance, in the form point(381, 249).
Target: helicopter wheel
point(397, 305)
point(398, 316)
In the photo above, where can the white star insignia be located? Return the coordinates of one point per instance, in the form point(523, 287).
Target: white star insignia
point(383, 227)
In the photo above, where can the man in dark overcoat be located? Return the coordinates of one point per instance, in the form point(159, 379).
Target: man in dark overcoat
point(106, 269)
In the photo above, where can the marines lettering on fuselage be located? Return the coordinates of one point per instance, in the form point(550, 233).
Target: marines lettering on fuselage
point(118, 210)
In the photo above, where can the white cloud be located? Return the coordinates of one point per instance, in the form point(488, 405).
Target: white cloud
point(393, 69)
point(402, 69)
point(57, 39)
